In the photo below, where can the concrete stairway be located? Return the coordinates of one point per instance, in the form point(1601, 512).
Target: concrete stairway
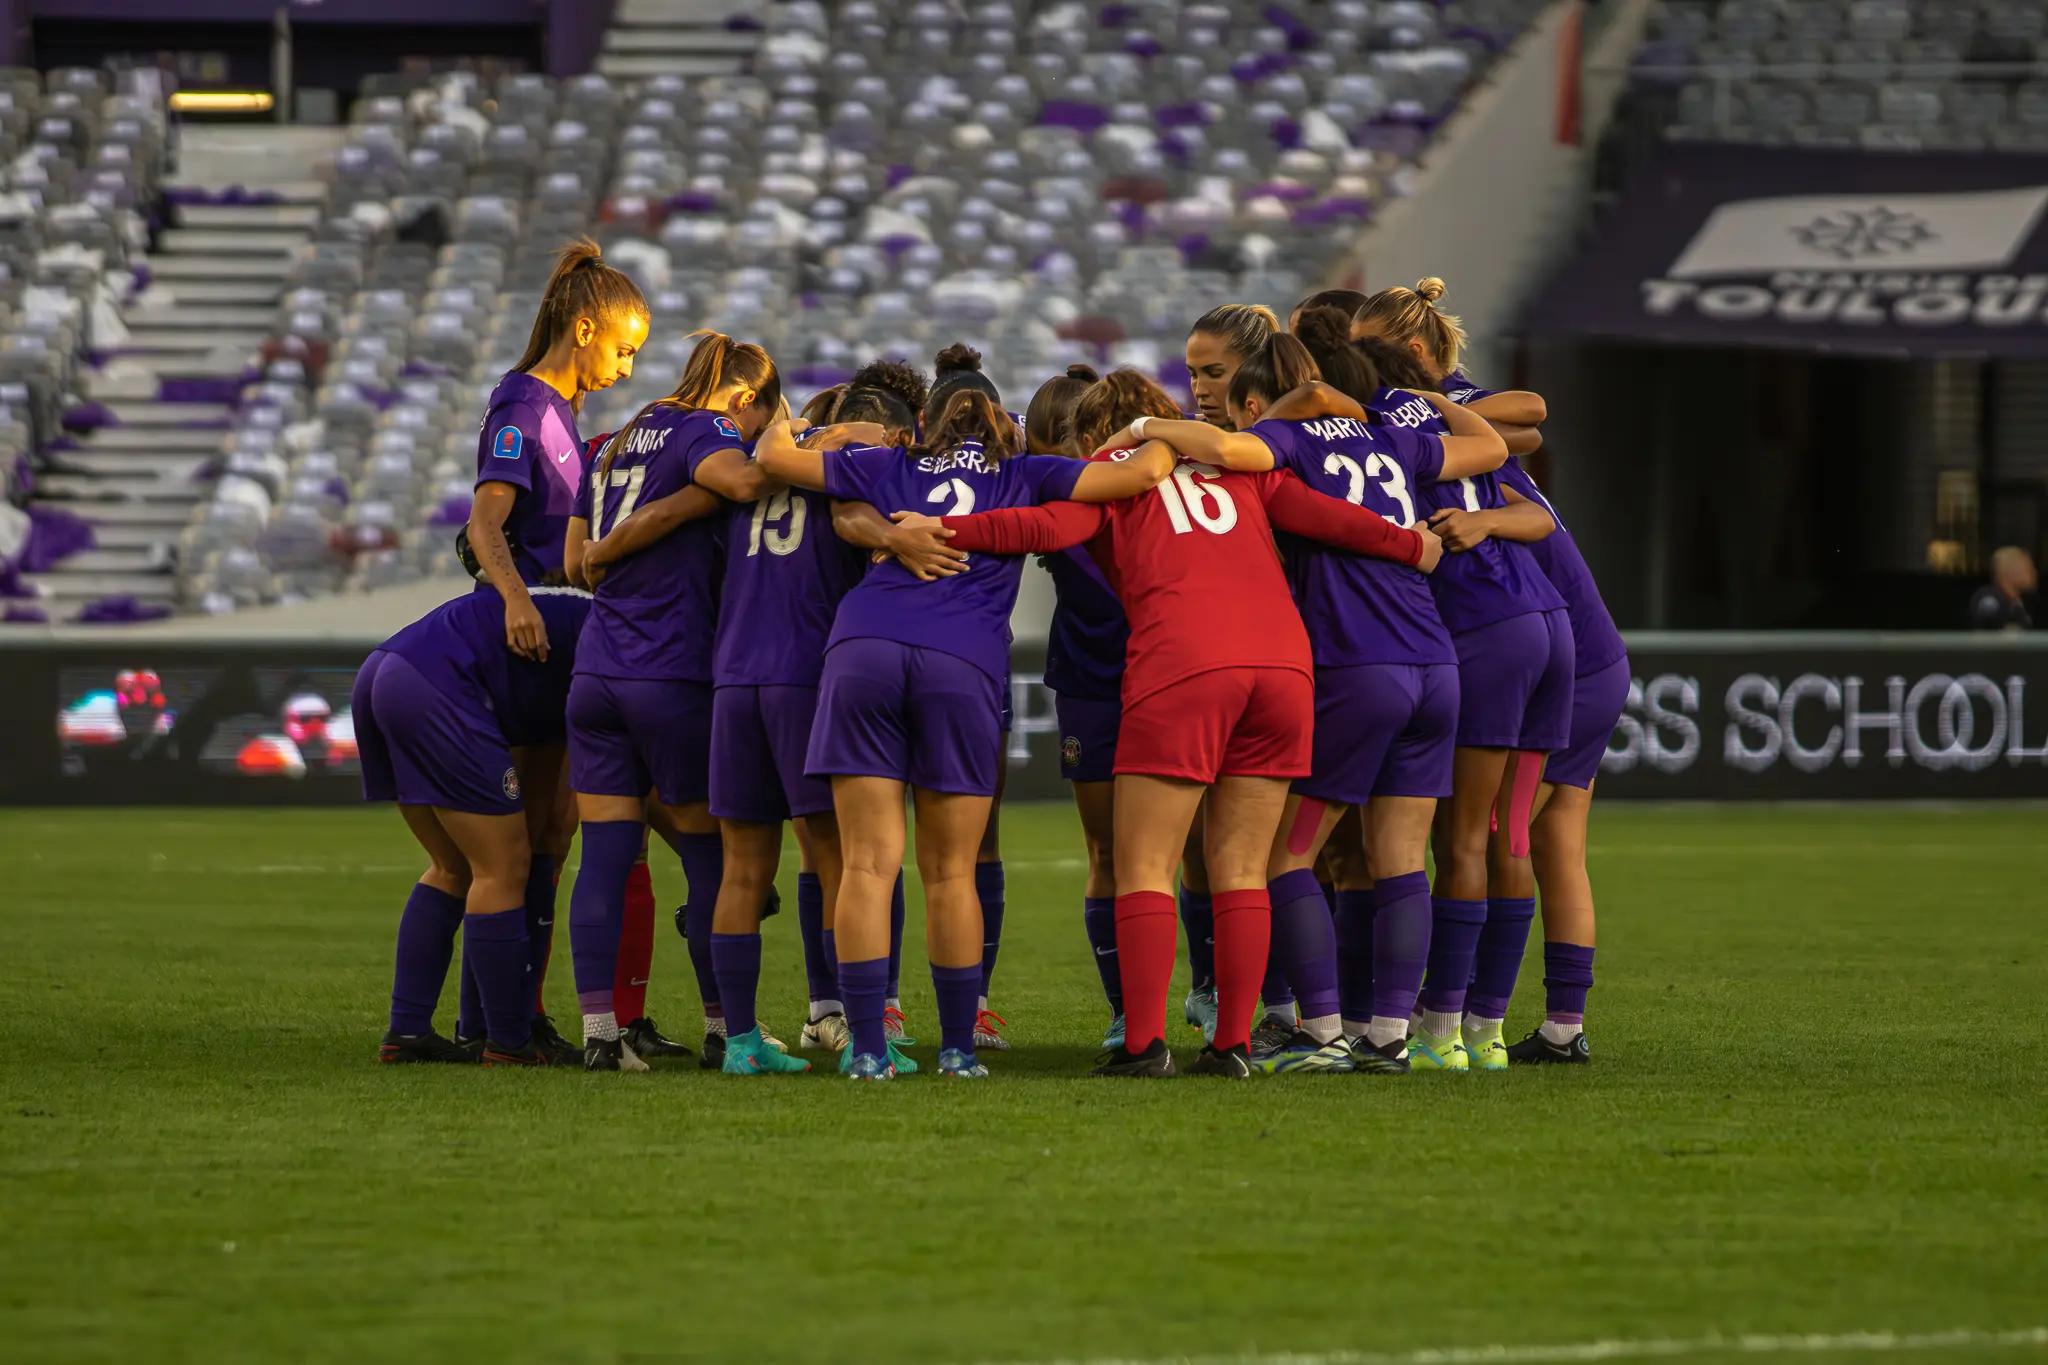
point(677, 37)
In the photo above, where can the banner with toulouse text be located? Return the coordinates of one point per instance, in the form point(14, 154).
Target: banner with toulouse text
point(1709, 717)
point(1887, 253)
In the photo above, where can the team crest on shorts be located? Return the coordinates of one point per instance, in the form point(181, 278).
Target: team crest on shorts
point(509, 784)
point(1070, 751)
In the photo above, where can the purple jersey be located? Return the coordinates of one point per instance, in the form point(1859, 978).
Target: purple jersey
point(528, 440)
point(1595, 641)
point(967, 615)
point(1084, 649)
point(785, 571)
point(655, 613)
point(459, 647)
point(1495, 579)
point(1360, 610)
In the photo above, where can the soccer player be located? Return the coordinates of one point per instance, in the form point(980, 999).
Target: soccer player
point(908, 699)
point(1515, 666)
point(1217, 704)
point(640, 706)
point(592, 321)
point(443, 712)
point(1386, 697)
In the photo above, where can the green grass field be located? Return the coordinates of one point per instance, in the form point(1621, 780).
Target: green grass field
point(1816, 1108)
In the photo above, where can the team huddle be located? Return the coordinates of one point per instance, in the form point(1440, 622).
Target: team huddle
point(1305, 638)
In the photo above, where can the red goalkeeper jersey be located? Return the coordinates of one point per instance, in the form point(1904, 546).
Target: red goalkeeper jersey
point(1195, 564)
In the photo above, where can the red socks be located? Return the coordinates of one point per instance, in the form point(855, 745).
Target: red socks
point(1146, 927)
point(636, 948)
point(1244, 923)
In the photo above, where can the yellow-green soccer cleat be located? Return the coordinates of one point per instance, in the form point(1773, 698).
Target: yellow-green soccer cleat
point(1483, 1047)
point(1437, 1052)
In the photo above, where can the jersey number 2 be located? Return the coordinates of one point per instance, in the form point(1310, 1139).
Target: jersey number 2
point(960, 491)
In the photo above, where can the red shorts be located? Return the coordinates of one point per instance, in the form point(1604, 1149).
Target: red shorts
point(1228, 722)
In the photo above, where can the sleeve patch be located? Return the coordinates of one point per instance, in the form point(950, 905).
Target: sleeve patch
point(507, 444)
point(726, 427)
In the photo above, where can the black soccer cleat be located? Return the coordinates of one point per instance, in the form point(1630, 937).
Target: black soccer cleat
point(647, 1039)
point(1154, 1062)
point(712, 1058)
point(473, 1046)
point(1390, 1060)
point(1232, 1063)
point(531, 1055)
point(610, 1054)
point(1536, 1050)
point(549, 1039)
point(424, 1047)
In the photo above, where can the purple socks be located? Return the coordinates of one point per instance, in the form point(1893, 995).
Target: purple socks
point(426, 941)
point(703, 860)
point(1401, 940)
point(988, 889)
point(1499, 958)
point(495, 945)
point(1567, 976)
point(896, 939)
point(597, 908)
point(1453, 940)
point(959, 991)
point(541, 872)
point(810, 921)
point(1354, 953)
point(863, 986)
point(1098, 917)
point(1304, 942)
point(736, 960)
point(1198, 919)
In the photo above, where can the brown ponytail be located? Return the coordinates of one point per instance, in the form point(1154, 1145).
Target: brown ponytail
point(1049, 417)
point(1243, 327)
point(1120, 398)
point(582, 286)
point(1281, 365)
point(971, 415)
point(717, 361)
point(1326, 334)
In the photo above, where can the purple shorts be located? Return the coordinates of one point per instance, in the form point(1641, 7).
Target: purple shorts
point(918, 715)
point(1515, 683)
point(421, 747)
point(759, 737)
point(1597, 702)
point(1088, 731)
point(1383, 730)
point(630, 735)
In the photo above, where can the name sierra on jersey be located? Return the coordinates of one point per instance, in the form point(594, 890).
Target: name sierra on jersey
point(967, 455)
point(1342, 428)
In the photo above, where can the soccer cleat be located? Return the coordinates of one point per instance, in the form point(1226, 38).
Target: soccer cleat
point(1390, 1060)
point(474, 1046)
point(988, 1031)
point(749, 1054)
point(1155, 1061)
point(1200, 1011)
point(867, 1067)
point(711, 1057)
point(1272, 1033)
point(829, 1034)
point(549, 1039)
point(1232, 1064)
point(424, 1047)
point(1302, 1053)
point(530, 1055)
point(770, 1038)
point(1486, 1052)
point(893, 1027)
point(611, 1054)
point(954, 1062)
point(1437, 1052)
point(1113, 1040)
point(645, 1037)
point(1536, 1049)
point(900, 1062)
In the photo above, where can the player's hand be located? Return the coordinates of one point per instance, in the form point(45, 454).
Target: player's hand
point(525, 633)
point(1432, 548)
point(918, 543)
point(1459, 529)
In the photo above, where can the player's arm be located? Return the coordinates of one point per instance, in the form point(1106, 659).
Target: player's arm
point(847, 434)
point(1312, 400)
point(924, 555)
point(650, 522)
point(730, 474)
point(1108, 480)
point(1520, 440)
point(1521, 520)
point(575, 544)
point(1022, 530)
point(1199, 441)
point(525, 633)
point(1472, 447)
point(778, 456)
point(1514, 407)
point(1294, 507)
